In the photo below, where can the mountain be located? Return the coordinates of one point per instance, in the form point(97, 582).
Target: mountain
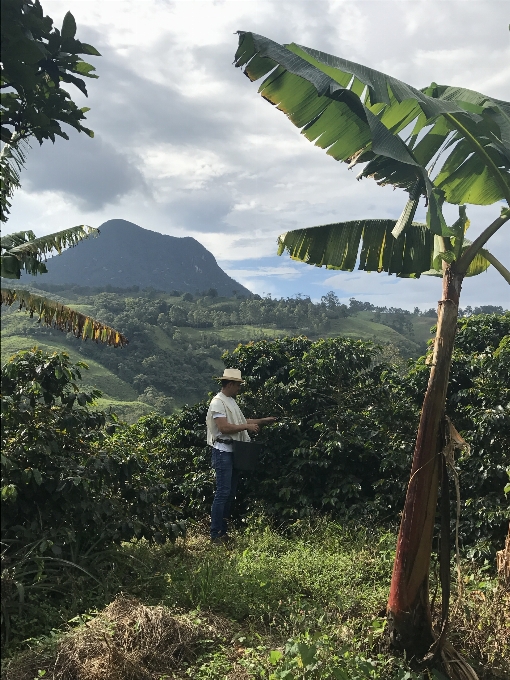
point(126, 255)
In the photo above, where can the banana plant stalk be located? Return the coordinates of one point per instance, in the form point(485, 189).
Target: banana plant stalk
point(409, 616)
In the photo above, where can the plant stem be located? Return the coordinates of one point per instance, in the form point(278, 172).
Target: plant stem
point(409, 616)
point(496, 264)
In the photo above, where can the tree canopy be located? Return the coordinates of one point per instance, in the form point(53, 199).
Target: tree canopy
point(442, 142)
point(37, 58)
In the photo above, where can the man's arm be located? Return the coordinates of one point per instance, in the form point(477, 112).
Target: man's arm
point(261, 421)
point(228, 428)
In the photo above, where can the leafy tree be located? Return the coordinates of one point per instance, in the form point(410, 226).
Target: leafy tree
point(478, 401)
point(344, 439)
point(357, 114)
point(36, 58)
point(59, 479)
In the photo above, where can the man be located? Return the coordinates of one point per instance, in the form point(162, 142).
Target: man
point(225, 422)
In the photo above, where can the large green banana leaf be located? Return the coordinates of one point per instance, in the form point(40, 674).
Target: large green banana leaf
point(57, 315)
point(356, 114)
point(22, 250)
point(341, 245)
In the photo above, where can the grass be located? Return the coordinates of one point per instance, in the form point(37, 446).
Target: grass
point(362, 327)
point(128, 411)
point(304, 604)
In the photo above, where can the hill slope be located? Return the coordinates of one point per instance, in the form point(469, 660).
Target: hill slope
point(175, 344)
point(126, 255)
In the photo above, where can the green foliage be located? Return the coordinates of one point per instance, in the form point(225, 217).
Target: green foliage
point(36, 58)
point(404, 137)
point(340, 415)
point(65, 495)
point(175, 347)
point(478, 403)
point(71, 487)
point(345, 434)
point(23, 251)
point(305, 602)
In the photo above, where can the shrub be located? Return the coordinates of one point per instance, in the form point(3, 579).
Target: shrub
point(60, 480)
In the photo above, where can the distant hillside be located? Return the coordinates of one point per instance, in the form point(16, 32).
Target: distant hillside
point(176, 342)
point(125, 255)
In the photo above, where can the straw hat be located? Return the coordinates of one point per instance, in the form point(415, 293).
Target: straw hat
point(233, 374)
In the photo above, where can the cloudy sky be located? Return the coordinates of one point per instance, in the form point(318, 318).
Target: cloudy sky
point(185, 146)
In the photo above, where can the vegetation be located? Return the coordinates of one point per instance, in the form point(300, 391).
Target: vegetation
point(23, 251)
point(93, 507)
point(64, 496)
point(78, 485)
point(447, 144)
point(176, 343)
point(36, 58)
point(305, 604)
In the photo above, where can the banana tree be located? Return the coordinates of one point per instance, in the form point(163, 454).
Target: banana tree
point(23, 251)
point(443, 144)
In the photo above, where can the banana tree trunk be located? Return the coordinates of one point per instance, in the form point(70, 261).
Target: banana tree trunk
point(409, 616)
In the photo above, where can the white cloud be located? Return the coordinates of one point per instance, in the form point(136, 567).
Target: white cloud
point(285, 272)
point(184, 144)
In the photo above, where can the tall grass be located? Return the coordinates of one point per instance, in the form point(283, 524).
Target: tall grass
point(307, 603)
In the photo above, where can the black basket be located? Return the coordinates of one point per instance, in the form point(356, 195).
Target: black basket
point(246, 455)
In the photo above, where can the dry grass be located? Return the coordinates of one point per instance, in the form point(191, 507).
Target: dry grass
point(131, 641)
point(127, 641)
point(481, 631)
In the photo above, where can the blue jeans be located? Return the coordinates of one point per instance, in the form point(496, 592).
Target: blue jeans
point(226, 487)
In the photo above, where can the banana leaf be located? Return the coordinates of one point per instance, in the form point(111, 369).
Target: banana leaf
point(356, 114)
point(59, 316)
point(370, 243)
point(22, 250)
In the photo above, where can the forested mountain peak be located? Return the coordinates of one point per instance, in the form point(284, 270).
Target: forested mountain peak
point(127, 255)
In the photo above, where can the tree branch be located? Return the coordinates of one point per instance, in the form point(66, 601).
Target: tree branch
point(461, 266)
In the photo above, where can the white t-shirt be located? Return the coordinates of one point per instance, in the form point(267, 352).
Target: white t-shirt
point(221, 446)
point(222, 414)
point(222, 406)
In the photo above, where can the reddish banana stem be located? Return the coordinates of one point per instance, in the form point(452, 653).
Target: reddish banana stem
point(410, 623)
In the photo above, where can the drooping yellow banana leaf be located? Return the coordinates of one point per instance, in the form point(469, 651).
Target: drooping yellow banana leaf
point(63, 318)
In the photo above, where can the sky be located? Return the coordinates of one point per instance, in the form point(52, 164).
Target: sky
point(185, 146)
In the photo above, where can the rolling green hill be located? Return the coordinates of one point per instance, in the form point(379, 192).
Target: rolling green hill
point(176, 342)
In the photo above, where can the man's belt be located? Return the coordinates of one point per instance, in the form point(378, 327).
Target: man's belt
point(224, 440)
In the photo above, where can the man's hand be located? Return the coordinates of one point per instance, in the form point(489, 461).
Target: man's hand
point(252, 427)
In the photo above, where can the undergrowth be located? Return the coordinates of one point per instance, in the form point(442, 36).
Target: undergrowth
point(307, 603)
